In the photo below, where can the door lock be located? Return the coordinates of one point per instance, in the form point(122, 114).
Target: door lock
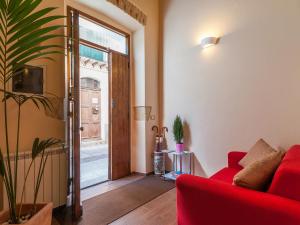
point(81, 128)
point(113, 103)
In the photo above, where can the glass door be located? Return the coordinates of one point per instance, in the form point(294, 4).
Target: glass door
point(94, 98)
point(90, 103)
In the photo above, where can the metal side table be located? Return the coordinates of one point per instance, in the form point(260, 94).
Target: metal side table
point(175, 170)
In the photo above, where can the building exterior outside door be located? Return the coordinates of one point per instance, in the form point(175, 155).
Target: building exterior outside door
point(90, 109)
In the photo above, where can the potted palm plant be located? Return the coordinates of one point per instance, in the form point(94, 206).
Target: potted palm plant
point(178, 134)
point(24, 33)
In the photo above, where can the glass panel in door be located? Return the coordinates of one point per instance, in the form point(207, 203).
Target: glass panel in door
point(94, 97)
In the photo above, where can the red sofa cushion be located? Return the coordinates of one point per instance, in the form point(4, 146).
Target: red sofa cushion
point(225, 175)
point(286, 180)
point(234, 158)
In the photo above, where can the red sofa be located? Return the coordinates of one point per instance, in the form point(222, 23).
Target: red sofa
point(215, 201)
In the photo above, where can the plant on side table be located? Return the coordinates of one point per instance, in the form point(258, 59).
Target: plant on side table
point(178, 134)
point(25, 31)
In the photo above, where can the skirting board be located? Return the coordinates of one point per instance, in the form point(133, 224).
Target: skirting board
point(143, 174)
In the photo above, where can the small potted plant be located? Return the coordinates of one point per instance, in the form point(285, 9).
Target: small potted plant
point(178, 134)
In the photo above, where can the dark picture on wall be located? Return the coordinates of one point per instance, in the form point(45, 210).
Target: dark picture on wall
point(29, 79)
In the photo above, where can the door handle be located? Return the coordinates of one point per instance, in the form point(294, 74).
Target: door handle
point(81, 128)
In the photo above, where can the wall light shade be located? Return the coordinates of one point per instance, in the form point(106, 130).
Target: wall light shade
point(209, 41)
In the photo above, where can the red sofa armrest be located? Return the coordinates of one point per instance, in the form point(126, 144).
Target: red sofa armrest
point(234, 158)
point(202, 201)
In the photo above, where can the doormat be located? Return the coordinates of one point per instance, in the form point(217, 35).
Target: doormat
point(112, 205)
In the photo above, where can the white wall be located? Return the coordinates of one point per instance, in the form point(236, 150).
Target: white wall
point(151, 45)
point(138, 155)
point(244, 88)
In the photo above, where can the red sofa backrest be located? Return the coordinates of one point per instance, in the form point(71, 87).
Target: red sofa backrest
point(286, 180)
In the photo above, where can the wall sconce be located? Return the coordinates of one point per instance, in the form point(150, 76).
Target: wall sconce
point(209, 41)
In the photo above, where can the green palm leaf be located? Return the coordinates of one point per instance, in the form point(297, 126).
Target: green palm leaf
point(24, 8)
point(37, 100)
point(26, 34)
point(29, 19)
point(19, 65)
point(33, 36)
point(22, 52)
point(39, 147)
point(2, 4)
point(24, 30)
point(32, 27)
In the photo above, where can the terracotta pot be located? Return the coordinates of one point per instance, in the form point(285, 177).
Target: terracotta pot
point(42, 217)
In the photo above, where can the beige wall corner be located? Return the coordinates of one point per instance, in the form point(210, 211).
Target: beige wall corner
point(151, 9)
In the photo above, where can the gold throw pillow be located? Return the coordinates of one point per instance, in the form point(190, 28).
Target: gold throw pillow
point(260, 150)
point(258, 174)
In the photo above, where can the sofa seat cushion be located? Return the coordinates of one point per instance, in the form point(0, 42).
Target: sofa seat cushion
point(226, 174)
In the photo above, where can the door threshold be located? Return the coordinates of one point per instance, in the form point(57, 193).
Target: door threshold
point(93, 185)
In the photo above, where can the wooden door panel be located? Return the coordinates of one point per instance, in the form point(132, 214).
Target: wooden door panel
point(84, 133)
point(85, 97)
point(90, 113)
point(120, 123)
point(95, 118)
point(95, 95)
point(85, 115)
point(94, 130)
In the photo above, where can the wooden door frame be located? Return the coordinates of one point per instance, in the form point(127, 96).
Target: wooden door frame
point(76, 94)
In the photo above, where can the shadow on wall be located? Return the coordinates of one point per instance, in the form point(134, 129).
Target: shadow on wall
point(196, 165)
point(187, 140)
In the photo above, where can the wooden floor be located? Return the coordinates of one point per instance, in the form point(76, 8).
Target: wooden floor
point(159, 211)
point(107, 186)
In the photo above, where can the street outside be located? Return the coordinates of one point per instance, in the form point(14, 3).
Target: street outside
point(94, 163)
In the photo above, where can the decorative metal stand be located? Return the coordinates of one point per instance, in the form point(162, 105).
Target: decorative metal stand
point(176, 171)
